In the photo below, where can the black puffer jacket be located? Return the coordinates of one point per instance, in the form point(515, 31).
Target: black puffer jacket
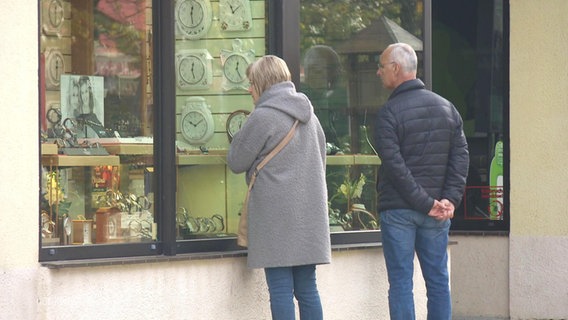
point(420, 140)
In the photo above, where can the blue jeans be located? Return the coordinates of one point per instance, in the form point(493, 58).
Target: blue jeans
point(286, 282)
point(405, 232)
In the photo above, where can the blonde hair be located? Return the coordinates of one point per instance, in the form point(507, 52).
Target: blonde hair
point(266, 72)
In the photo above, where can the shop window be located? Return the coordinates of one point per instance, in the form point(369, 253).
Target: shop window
point(340, 43)
point(469, 63)
point(96, 121)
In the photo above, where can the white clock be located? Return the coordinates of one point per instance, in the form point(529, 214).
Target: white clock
point(194, 69)
point(196, 122)
point(235, 15)
point(52, 16)
point(235, 64)
point(54, 68)
point(193, 18)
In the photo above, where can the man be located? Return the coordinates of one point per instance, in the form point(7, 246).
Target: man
point(424, 163)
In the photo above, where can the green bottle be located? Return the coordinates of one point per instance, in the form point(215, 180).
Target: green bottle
point(496, 184)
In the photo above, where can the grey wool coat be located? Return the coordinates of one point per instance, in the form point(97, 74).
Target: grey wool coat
point(287, 211)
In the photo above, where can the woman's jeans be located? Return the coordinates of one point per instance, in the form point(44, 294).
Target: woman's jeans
point(405, 232)
point(286, 282)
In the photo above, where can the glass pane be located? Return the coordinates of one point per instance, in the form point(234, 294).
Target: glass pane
point(215, 42)
point(468, 68)
point(97, 130)
point(340, 45)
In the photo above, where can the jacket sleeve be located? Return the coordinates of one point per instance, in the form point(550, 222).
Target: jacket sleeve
point(458, 164)
point(247, 145)
point(394, 165)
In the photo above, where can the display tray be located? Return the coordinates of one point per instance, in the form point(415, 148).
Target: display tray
point(129, 140)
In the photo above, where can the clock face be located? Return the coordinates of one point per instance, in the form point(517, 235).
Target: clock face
point(235, 122)
point(194, 69)
point(191, 69)
point(194, 125)
point(55, 13)
point(53, 17)
point(235, 15)
point(55, 67)
point(193, 17)
point(235, 68)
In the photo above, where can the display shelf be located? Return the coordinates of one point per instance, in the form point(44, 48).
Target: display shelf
point(48, 149)
point(129, 149)
point(221, 158)
point(79, 161)
point(353, 159)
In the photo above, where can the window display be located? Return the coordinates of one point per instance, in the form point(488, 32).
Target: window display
point(97, 130)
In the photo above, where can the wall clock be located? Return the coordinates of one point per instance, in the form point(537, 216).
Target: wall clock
point(52, 17)
point(235, 64)
point(196, 122)
point(194, 70)
point(235, 122)
point(54, 68)
point(193, 18)
point(235, 15)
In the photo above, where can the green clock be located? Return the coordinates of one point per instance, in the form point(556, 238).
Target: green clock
point(235, 15)
point(196, 122)
point(235, 122)
point(193, 18)
point(194, 69)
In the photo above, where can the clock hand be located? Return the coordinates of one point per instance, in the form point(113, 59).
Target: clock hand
point(235, 9)
point(191, 14)
point(192, 66)
point(198, 122)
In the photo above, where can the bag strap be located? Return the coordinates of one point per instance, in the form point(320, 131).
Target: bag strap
point(272, 153)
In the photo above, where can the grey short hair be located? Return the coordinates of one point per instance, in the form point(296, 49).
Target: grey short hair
point(267, 71)
point(404, 56)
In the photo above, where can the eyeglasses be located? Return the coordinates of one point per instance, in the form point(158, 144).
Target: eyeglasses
point(380, 66)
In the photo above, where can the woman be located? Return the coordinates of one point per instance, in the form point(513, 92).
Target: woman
point(93, 127)
point(288, 228)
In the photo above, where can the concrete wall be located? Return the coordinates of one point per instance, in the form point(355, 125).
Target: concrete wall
point(524, 276)
point(538, 253)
